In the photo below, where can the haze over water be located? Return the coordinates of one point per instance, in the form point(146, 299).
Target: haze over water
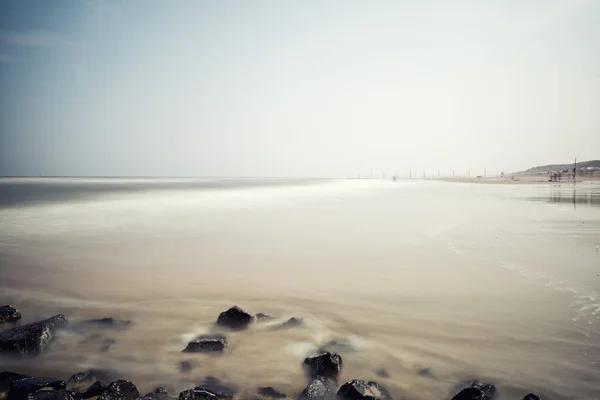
point(498, 282)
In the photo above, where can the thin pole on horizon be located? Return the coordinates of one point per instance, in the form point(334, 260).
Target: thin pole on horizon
point(575, 171)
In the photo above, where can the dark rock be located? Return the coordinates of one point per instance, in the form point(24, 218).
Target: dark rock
point(97, 389)
point(270, 392)
point(319, 389)
point(83, 380)
point(20, 389)
point(260, 317)
point(32, 338)
point(326, 364)
point(425, 372)
point(382, 373)
point(197, 395)
point(531, 396)
point(211, 380)
point(107, 323)
point(291, 323)
point(64, 394)
point(6, 379)
point(361, 390)
point(106, 344)
point(235, 318)
point(474, 390)
point(339, 346)
point(207, 344)
point(218, 389)
point(9, 314)
point(120, 390)
point(157, 394)
point(186, 365)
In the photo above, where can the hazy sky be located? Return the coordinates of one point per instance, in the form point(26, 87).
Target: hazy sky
point(296, 88)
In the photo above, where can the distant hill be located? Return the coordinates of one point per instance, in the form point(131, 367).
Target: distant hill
point(558, 167)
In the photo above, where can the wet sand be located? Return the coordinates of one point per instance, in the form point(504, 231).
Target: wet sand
point(494, 282)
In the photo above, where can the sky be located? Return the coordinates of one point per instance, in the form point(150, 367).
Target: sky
point(296, 88)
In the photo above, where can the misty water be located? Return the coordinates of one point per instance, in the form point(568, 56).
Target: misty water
point(434, 282)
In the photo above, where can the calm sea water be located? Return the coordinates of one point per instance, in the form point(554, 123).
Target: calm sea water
point(499, 282)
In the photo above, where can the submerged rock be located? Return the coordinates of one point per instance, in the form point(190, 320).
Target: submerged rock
point(97, 389)
point(9, 314)
point(235, 318)
point(218, 389)
point(531, 396)
point(339, 346)
point(291, 323)
point(83, 380)
point(425, 372)
point(361, 390)
point(186, 365)
point(107, 323)
point(157, 394)
point(6, 379)
point(326, 364)
point(197, 395)
point(64, 394)
point(319, 389)
point(31, 339)
point(207, 344)
point(120, 390)
point(107, 344)
point(260, 317)
point(474, 390)
point(382, 373)
point(20, 389)
point(270, 392)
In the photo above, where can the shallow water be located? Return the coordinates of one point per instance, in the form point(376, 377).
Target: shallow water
point(499, 282)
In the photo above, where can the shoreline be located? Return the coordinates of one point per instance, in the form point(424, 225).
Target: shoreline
point(523, 180)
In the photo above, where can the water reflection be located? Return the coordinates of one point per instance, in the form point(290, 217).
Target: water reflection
point(576, 194)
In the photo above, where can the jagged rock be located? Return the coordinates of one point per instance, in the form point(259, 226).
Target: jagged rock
point(260, 317)
point(382, 373)
point(361, 390)
point(207, 344)
point(326, 364)
point(120, 390)
point(197, 395)
point(6, 379)
point(9, 314)
point(31, 339)
point(157, 394)
point(20, 389)
point(270, 392)
point(339, 346)
point(217, 388)
point(95, 390)
point(291, 323)
point(235, 318)
point(531, 396)
point(108, 323)
point(83, 380)
point(474, 390)
point(319, 389)
point(64, 394)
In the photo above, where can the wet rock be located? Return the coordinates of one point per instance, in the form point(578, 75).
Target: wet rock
point(319, 389)
point(207, 344)
point(20, 389)
point(6, 379)
point(64, 394)
point(83, 380)
point(326, 364)
point(197, 395)
point(382, 373)
point(425, 372)
point(260, 317)
point(120, 390)
point(31, 339)
point(157, 394)
point(270, 392)
point(107, 344)
point(339, 346)
point(186, 365)
point(531, 396)
point(95, 390)
point(474, 390)
point(106, 323)
point(235, 318)
point(9, 314)
point(361, 390)
point(291, 323)
point(218, 389)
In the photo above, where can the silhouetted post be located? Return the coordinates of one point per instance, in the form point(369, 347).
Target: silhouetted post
point(575, 171)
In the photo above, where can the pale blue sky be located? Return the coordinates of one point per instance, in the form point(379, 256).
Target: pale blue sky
point(296, 88)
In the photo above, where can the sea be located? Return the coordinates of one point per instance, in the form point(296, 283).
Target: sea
point(426, 283)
